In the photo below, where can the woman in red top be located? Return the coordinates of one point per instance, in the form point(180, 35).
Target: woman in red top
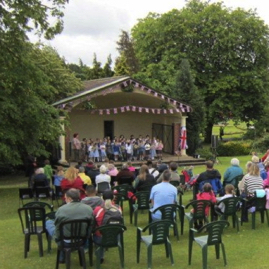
point(72, 180)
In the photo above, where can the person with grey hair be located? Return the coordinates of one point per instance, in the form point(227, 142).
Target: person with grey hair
point(162, 194)
point(233, 171)
point(86, 179)
point(72, 210)
point(103, 176)
point(40, 179)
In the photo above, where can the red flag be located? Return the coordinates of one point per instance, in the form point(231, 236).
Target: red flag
point(183, 138)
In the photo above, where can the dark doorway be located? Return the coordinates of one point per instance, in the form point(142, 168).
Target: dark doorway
point(166, 134)
point(109, 128)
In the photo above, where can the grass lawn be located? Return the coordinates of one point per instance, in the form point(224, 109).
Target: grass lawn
point(245, 249)
point(230, 130)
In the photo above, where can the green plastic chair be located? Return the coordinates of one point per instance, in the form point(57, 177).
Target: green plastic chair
point(33, 223)
point(159, 235)
point(198, 213)
point(73, 236)
point(112, 236)
point(169, 212)
point(259, 204)
point(179, 191)
point(214, 230)
point(141, 203)
point(231, 207)
point(46, 206)
point(234, 182)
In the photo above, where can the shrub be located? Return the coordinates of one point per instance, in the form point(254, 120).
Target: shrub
point(205, 153)
point(262, 144)
point(234, 148)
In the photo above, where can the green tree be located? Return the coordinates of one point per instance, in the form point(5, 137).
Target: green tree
point(121, 67)
point(230, 66)
point(31, 77)
point(96, 71)
point(107, 70)
point(187, 92)
point(127, 53)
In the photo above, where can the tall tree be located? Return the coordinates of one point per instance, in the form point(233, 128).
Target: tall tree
point(126, 50)
point(231, 67)
point(107, 70)
point(96, 71)
point(187, 92)
point(30, 78)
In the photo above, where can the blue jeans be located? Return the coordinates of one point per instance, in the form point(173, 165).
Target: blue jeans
point(50, 227)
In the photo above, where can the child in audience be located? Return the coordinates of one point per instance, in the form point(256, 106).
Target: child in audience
point(59, 176)
point(229, 192)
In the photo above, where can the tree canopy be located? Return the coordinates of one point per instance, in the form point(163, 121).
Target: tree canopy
point(227, 50)
point(31, 78)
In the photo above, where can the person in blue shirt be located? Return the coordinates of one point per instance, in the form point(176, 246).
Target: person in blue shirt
point(162, 194)
point(233, 171)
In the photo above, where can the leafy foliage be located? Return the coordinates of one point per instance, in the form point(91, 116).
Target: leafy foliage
point(31, 78)
point(126, 63)
point(230, 66)
point(186, 92)
point(234, 148)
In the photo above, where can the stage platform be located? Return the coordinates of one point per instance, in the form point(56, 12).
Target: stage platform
point(167, 158)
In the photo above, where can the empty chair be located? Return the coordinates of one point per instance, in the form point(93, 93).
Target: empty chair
point(112, 236)
point(43, 193)
point(25, 194)
point(214, 230)
point(169, 212)
point(73, 236)
point(159, 235)
point(33, 223)
point(48, 207)
point(140, 203)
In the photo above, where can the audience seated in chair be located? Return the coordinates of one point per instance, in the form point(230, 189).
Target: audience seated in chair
point(210, 175)
point(162, 194)
point(232, 172)
point(102, 215)
point(72, 180)
point(72, 210)
point(125, 176)
point(91, 198)
point(144, 180)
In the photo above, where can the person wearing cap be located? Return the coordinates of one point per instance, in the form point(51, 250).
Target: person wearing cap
point(99, 214)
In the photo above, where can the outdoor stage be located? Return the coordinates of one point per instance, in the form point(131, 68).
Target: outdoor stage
point(167, 158)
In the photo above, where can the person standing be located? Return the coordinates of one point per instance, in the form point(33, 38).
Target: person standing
point(76, 145)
